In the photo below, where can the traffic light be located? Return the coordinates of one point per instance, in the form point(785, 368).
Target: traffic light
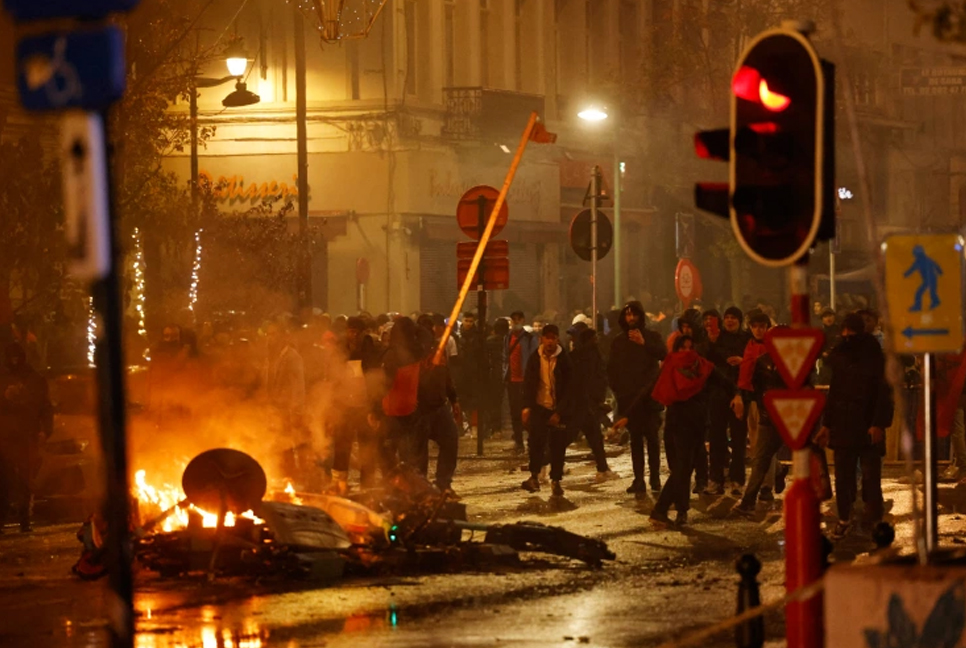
point(780, 194)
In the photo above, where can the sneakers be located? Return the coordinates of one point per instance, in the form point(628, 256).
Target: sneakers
point(681, 518)
point(636, 487)
point(714, 488)
point(656, 486)
point(744, 509)
point(659, 520)
point(605, 476)
point(556, 490)
point(840, 530)
point(699, 487)
point(736, 489)
point(766, 495)
point(531, 485)
point(519, 449)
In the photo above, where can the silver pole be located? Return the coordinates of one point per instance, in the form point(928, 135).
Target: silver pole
point(831, 277)
point(618, 267)
point(929, 509)
point(594, 198)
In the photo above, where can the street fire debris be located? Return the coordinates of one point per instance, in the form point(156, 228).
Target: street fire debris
point(407, 526)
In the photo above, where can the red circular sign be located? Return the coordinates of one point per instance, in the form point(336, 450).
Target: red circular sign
point(468, 211)
point(362, 270)
point(687, 282)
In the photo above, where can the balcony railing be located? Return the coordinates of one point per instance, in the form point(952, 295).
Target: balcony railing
point(474, 113)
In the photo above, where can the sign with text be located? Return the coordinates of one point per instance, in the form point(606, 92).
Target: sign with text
point(924, 286)
point(934, 81)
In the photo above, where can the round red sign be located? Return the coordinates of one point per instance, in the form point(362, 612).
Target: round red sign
point(476, 200)
point(687, 282)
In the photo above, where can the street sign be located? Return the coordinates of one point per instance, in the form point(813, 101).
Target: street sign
point(924, 288)
point(794, 352)
point(933, 81)
point(494, 250)
point(687, 282)
point(27, 10)
point(580, 234)
point(468, 211)
point(83, 69)
point(795, 412)
point(84, 174)
point(496, 273)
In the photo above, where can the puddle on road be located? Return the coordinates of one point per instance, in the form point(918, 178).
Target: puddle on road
point(214, 632)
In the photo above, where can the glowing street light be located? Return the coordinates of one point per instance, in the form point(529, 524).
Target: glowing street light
point(593, 114)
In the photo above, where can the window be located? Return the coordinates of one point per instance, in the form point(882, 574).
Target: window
point(449, 35)
point(484, 43)
point(411, 47)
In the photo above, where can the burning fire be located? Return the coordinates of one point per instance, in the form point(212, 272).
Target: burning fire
point(290, 491)
point(168, 496)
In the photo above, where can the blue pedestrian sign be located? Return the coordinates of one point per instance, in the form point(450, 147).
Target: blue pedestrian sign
point(82, 69)
point(924, 286)
point(27, 10)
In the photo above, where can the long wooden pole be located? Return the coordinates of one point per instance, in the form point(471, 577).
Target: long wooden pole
point(481, 246)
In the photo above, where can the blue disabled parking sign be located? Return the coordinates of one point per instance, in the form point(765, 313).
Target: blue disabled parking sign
point(924, 287)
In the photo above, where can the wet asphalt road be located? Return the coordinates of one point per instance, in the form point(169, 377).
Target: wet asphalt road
point(664, 582)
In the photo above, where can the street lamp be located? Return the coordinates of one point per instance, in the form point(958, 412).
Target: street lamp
point(237, 62)
point(595, 113)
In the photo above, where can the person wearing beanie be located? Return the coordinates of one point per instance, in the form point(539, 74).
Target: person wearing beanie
point(632, 370)
point(728, 340)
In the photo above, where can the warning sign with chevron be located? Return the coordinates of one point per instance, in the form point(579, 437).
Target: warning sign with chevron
point(794, 352)
point(795, 413)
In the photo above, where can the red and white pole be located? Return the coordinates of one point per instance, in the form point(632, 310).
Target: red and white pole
point(804, 623)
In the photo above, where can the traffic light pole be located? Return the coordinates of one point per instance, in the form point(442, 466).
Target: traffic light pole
point(594, 204)
point(481, 331)
point(804, 623)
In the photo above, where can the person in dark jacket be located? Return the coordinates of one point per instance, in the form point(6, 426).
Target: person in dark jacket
point(588, 392)
point(632, 370)
point(548, 408)
point(725, 430)
point(858, 411)
point(517, 351)
point(492, 423)
point(757, 374)
point(26, 420)
point(684, 387)
point(473, 368)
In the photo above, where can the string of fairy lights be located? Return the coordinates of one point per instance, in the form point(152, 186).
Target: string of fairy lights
point(195, 273)
point(341, 19)
point(139, 281)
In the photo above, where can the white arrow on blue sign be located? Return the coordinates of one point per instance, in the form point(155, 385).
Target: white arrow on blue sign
point(83, 69)
point(26, 10)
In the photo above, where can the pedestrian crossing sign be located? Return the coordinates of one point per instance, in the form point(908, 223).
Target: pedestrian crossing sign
point(924, 288)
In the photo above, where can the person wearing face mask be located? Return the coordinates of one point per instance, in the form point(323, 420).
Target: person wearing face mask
point(632, 370)
point(26, 420)
point(858, 410)
point(517, 351)
point(726, 431)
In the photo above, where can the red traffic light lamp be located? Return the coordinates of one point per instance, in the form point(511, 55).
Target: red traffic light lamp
point(780, 149)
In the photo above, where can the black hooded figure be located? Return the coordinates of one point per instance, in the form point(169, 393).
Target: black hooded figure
point(632, 370)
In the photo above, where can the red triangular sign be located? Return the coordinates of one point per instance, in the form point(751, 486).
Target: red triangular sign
point(794, 412)
point(794, 352)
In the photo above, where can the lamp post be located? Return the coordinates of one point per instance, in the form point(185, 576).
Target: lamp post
point(595, 113)
point(237, 64)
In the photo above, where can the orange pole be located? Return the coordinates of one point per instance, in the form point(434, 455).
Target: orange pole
point(481, 246)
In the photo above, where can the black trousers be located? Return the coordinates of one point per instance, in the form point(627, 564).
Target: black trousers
point(728, 440)
point(681, 438)
point(547, 441)
point(436, 425)
point(353, 426)
point(645, 425)
point(15, 485)
point(589, 424)
point(768, 444)
point(514, 393)
point(491, 408)
point(846, 461)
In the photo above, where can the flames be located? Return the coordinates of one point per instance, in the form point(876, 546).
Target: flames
point(166, 496)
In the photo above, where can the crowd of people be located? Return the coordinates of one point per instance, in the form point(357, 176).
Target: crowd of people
point(392, 385)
